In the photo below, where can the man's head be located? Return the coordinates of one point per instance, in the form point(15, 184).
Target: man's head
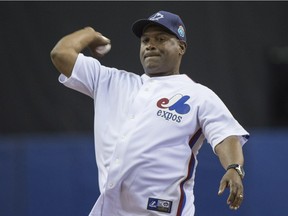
point(163, 43)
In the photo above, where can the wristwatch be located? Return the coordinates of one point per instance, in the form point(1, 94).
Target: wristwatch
point(238, 168)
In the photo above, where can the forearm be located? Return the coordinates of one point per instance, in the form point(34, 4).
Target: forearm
point(230, 151)
point(65, 52)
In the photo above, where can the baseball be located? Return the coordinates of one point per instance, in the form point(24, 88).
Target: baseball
point(103, 49)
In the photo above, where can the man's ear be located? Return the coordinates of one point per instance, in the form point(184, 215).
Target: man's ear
point(182, 47)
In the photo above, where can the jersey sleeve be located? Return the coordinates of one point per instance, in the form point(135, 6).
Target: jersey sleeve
point(85, 75)
point(99, 82)
point(216, 120)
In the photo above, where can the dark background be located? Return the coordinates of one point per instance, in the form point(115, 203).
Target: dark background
point(47, 163)
point(230, 45)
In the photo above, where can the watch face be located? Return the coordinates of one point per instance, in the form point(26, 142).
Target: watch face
point(240, 171)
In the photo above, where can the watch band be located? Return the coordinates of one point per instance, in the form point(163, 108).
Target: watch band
point(239, 169)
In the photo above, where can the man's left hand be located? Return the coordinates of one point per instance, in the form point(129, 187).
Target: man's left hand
point(233, 181)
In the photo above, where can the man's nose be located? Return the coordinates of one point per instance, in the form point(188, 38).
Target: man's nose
point(150, 45)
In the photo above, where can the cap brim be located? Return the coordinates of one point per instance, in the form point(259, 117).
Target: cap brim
point(140, 25)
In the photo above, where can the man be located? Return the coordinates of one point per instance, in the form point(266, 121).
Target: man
point(149, 128)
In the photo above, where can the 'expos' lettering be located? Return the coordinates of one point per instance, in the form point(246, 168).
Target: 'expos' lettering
point(169, 116)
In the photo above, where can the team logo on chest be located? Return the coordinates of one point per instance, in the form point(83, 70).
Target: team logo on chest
point(173, 108)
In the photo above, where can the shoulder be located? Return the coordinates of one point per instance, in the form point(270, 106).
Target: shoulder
point(95, 65)
point(195, 87)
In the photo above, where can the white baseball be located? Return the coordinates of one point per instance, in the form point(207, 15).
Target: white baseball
point(103, 49)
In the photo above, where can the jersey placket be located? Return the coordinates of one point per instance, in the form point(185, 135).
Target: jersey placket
point(115, 171)
point(135, 107)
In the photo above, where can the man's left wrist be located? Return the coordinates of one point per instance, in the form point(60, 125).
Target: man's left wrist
point(238, 168)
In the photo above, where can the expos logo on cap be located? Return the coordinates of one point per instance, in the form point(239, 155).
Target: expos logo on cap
point(169, 21)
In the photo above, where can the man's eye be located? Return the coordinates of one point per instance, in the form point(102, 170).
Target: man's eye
point(161, 39)
point(145, 40)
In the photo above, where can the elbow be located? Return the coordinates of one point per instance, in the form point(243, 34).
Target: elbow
point(63, 60)
point(55, 56)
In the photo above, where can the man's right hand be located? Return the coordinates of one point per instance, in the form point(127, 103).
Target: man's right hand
point(65, 52)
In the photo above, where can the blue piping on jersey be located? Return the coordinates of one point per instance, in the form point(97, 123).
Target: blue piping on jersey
point(191, 166)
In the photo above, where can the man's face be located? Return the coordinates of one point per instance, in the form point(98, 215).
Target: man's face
point(160, 52)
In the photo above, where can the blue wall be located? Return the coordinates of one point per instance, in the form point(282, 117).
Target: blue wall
point(55, 175)
point(265, 182)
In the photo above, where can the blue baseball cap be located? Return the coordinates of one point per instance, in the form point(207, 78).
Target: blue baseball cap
point(169, 21)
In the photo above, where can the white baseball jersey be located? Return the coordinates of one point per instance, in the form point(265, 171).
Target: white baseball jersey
point(148, 131)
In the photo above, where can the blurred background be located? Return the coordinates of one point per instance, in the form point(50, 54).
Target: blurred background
point(47, 163)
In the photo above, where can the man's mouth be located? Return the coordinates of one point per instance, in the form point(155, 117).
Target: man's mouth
point(149, 55)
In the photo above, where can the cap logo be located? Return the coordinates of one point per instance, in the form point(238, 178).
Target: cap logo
point(181, 31)
point(156, 16)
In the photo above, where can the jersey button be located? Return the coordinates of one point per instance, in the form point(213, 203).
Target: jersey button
point(110, 185)
point(117, 161)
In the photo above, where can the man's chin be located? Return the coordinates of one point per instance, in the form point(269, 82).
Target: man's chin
point(154, 73)
point(154, 70)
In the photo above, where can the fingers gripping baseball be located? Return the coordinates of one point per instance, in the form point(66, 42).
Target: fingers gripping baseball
point(234, 183)
point(100, 46)
point(101, 49)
